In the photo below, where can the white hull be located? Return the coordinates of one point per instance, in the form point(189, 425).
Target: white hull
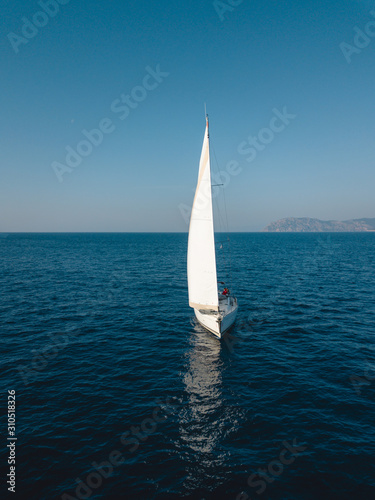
point(219, 322)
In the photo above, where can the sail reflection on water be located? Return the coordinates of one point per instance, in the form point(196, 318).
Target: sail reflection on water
point(202, 418)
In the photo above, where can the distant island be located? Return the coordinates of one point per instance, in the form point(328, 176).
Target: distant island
point(308, 225)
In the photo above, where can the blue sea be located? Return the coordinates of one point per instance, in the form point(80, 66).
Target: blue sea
point(121, 395)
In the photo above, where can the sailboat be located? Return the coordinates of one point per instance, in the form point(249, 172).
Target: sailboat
point(214, 311)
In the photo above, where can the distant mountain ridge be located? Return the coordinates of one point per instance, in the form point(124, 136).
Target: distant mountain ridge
point(309, 225)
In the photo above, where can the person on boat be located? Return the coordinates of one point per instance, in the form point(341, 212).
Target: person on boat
point(225, 291)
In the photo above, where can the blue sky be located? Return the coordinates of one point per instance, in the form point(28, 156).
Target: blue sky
point(244, 59)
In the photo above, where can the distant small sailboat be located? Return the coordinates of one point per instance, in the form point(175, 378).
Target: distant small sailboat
point(215, 311)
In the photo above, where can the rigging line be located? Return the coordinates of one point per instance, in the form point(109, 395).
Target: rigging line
point(227, 229)
point(210, 148)
point(221, 242)
point(220, 225)
point(230, 264)
point(219, 214)
point(217, 206)
point(216, 164)
point(218, 209)
point(225, 207)
point(225, 224)
point(222, 255)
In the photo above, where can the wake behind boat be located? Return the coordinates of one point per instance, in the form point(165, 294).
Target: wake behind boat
point(215, 311)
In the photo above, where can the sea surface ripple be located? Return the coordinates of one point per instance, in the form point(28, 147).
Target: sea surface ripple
point(104, 353)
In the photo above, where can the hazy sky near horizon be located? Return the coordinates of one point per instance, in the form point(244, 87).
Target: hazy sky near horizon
point(102, 111)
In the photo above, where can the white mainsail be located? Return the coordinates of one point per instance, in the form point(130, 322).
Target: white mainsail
point(202, 278)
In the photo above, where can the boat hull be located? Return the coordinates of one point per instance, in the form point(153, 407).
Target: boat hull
point(219, 322)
